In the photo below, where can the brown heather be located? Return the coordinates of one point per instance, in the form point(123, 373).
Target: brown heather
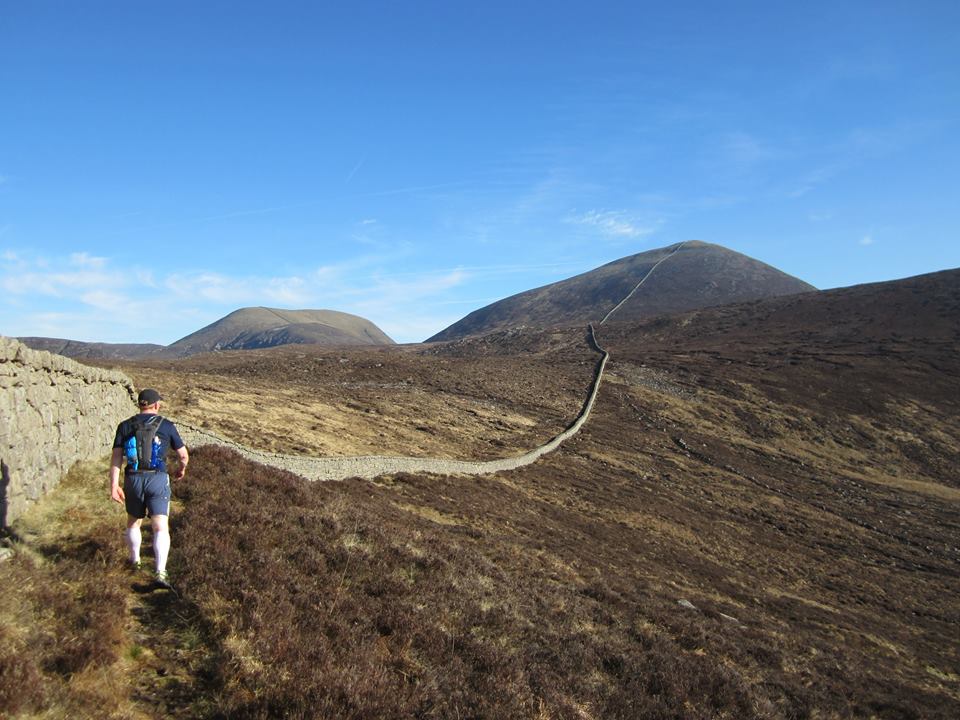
point(761, 519)
point(333, 601)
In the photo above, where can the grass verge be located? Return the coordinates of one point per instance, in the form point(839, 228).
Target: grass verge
point(63, 611)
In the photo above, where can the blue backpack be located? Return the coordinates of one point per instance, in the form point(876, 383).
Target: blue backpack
point(142, 446)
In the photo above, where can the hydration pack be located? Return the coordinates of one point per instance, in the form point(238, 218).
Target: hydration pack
point(142, 447)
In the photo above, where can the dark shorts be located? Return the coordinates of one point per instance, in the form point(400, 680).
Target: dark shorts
point(147, 492)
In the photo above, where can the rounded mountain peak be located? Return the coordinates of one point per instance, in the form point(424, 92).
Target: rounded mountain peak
point(697, 274)
point(262, 327)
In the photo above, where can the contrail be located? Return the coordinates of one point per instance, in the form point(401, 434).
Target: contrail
point(354, 171)
point(414, 188)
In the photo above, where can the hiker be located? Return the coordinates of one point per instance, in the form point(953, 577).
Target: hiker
point(143, 440)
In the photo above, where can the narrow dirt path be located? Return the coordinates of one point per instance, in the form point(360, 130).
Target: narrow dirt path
point(371, 466)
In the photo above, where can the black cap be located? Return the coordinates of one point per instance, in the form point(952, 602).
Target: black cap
point(148, 397)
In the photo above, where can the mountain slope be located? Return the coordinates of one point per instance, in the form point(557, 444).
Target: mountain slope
point(260, 327)
point(91, 350)
point(698, 275)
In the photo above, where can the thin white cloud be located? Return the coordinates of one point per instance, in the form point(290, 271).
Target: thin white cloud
point(614, 223)
point(362, 238)
point(403, 306)
point(105, 299)
point(745, 150)
point(814, 178)
point(45, 324)
point(415, 189)
point(880, 141)
point(493, 270)
point(86, 260)
point(713, 201)
point(145, 278)
point(55, 284)
point(856, 147)
point(239, 291)
point(94, 283)
point(212, 218)
point(286, 291)
point(418, 287)
point(867, 240)
point(543, 196)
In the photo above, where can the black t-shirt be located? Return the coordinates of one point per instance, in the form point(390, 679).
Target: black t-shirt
point(167, 432)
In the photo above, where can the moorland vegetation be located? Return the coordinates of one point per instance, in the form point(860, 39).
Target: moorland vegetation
point(760, 520)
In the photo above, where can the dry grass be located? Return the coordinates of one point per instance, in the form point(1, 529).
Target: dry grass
point(63, 608)
point(393, 401)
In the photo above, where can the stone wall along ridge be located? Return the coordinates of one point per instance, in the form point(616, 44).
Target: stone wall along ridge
point(54, 412)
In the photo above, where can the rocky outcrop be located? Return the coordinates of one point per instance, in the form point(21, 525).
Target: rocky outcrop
point(53, 412)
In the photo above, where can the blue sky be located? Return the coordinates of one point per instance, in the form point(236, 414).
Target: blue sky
point(163, 164)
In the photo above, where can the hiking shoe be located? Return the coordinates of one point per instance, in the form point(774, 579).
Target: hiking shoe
point(162, 581)
point(135, 566)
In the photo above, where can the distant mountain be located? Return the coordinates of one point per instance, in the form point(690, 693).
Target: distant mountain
point(260, 327)
point(244, 329)
point(698, 275)
point(91, 350)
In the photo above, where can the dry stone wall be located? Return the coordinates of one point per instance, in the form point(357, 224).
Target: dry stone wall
point(372, 466)
point(54, 411)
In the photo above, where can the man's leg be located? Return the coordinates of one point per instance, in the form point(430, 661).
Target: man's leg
point(133, 492)
point(161, 541)
point(158, 503)
point(134, 538)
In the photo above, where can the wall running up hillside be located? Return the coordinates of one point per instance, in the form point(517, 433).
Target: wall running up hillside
point(53, 412)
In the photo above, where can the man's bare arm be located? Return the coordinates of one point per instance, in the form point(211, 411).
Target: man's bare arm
point(116, 492)
point(184, 459)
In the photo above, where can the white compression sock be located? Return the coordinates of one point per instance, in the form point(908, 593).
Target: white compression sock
point(134, 538)
point(161, 548)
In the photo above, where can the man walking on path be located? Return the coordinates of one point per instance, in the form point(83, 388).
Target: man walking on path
point(146, 483)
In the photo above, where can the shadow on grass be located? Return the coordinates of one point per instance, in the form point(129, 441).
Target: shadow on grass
point(180, 674)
